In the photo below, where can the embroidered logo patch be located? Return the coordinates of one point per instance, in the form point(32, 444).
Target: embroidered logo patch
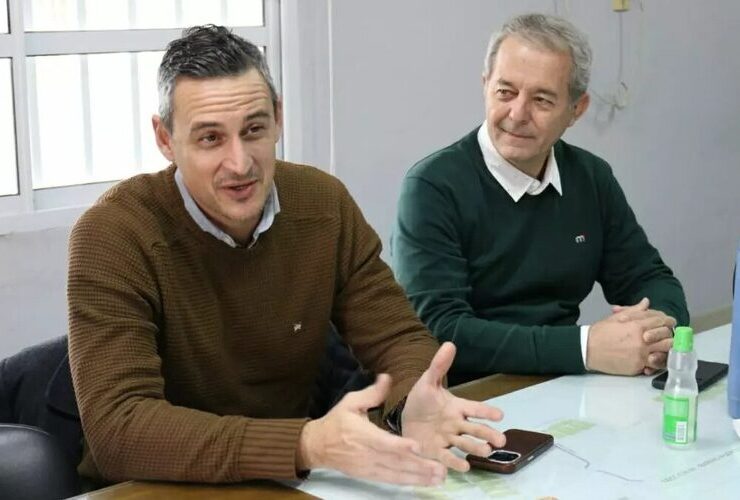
point(297, 327)
point(581, 238)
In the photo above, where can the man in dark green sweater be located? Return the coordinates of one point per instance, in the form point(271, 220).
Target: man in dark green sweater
point(501, 235)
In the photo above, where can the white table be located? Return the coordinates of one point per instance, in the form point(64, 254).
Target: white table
point(608, 445)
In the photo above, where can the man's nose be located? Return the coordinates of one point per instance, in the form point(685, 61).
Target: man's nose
point(238, 158)
point(519, 111)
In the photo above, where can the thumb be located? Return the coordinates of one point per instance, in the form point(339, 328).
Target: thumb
point(643, 305)
point(441, 363)
point(371, 396)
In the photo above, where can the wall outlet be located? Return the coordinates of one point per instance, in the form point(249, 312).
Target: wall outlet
point(620, 5)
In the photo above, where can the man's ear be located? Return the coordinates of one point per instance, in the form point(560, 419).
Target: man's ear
point(163, 138)
point(278, 119)
point(581, 105)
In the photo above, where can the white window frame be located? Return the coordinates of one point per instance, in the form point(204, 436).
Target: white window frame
point(32, 210)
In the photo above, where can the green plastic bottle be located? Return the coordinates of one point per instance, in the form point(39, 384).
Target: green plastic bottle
point(681, 393)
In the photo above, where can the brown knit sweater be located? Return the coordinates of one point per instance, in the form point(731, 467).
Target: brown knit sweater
point(194, 361)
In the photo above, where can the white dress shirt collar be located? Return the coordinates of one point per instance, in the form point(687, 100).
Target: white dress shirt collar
point(513, 180)
point(271, 209)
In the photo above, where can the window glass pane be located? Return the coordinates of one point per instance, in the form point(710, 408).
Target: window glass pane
point(65, 15)
point(3, 16)
point(51, 15)
point(96, 112)
point(58, 140)
point(151, 159)
point(111, 116)
point(151, 15)
point(250, 13)
point(8, 171)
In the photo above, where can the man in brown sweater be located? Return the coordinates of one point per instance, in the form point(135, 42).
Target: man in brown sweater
point(200, 297)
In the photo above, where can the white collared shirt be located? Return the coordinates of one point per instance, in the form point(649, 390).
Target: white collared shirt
point(513, 180)
point(271, 209)
point(517, 184)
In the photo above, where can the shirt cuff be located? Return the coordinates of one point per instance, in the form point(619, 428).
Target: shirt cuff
point(584, 343)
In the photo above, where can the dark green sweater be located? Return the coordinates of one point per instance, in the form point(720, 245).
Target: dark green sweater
point(504, 280)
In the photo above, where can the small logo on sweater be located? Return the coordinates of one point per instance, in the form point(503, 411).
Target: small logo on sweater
point(297, 327)
point(581, 238)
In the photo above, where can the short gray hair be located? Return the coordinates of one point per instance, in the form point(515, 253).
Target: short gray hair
point(552, 33)
point(206, 52)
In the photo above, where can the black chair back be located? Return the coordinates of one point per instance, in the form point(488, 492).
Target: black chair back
point(33, 465)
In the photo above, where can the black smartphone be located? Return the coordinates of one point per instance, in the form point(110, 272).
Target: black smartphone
point(521, 448)
point(707, 373)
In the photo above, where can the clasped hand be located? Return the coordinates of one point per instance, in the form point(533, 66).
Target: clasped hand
point(634, 339)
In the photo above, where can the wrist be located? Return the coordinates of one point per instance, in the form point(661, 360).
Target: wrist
point(584, 331)
point(394, 419)
point(307, 454)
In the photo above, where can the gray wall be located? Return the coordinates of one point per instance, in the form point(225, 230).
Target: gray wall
point(33, 274)
point(396, 79)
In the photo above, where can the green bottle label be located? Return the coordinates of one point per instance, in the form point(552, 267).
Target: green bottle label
point(676, 419)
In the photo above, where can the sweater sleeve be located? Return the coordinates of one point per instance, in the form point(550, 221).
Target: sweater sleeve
point(371, 311)
point(631, 267)
point(430, 264)
point(132, 431)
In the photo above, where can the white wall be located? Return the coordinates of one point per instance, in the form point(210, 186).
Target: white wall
point(33, 279)
point(392, 80)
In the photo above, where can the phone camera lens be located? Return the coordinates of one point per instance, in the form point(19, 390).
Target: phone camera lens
point(503, 456)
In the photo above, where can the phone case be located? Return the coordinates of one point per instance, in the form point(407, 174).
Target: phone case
point(525, 445)
point(707, 373)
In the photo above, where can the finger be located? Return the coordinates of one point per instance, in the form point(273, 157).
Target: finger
point(657, 334)
point(656, 360)
point(661, 346)
point(441, 363)
point(651, 321)
point(412, 464)
point(643, 305)
point(481, 431)
point(671, 322)
point(637, 315)
point(389, 474)
point(369, 397)
point(403, 454)
point(649, 371)
point(474, 409)
point(470, 445)
point(381, 441)
point(452, 461)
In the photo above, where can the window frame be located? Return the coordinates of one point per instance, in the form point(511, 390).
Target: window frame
point(36, 209)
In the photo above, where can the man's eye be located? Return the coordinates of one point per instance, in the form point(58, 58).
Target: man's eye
point(504, 92)
point(254, 131)
point(208, 139)
point(543, 101)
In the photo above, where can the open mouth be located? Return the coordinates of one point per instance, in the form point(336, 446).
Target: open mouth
point(240, 190)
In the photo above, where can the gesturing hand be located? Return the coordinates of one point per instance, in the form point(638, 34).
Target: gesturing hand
point(437, 420)
point(345, 440)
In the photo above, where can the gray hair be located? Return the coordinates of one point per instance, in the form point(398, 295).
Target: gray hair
point(552, 33)
point(206, 52)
